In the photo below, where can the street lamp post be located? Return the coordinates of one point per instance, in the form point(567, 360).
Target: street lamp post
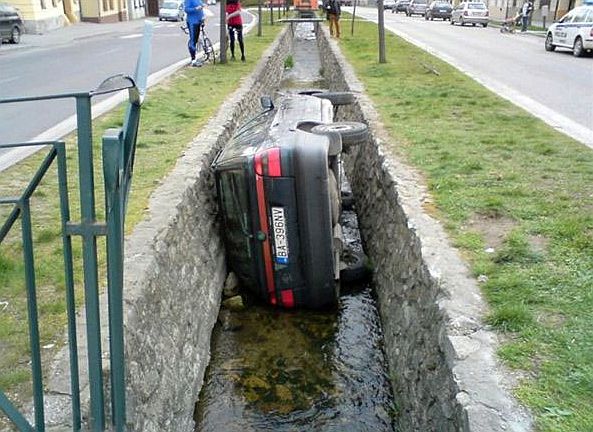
point(381, 33)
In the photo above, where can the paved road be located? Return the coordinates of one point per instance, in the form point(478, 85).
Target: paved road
point(556, 87)
point(78, 58)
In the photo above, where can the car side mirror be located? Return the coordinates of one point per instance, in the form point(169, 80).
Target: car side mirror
point(266, 103)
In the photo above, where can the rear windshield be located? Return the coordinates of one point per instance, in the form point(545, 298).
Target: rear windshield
point(170, 5)
point(476, 6)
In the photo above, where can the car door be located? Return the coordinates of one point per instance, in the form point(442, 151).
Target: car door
point(560, 32)
point(4, 27)
point(572, 30)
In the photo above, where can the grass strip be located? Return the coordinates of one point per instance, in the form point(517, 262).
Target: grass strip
point(174, 113)
point(515, 196)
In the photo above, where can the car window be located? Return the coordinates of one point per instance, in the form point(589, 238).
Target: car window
point(476, 6)
point(579, 15)
point(589, 17)
point(567, 18)
point(170, 5)
point(237, 221)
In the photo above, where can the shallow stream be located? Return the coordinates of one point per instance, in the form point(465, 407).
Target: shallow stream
point(283, 370)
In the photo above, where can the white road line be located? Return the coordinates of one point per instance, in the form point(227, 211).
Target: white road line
point(132, 36)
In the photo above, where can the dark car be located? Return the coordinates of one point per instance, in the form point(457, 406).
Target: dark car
point(11, 24)
point(278, 189)
point(401, 6)
point(416, 7)
point(438, 9)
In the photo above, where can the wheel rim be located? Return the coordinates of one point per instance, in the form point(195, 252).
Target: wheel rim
point(16, 35)
point(578, 47)
point(549, 42)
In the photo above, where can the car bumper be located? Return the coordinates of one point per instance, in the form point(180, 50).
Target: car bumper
point(474, 20)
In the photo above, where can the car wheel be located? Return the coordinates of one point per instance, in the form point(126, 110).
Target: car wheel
point(336, 98)
point(485, 25)
point(356, 268)
point(426, 17)
point(577, 49)
point(451, 21)
point(15, 35)
point(473, 24)
point(352, 133)
point(549, 43)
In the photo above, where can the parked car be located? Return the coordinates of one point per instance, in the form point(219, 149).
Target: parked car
point(401, 6)
point(278, 190)
point(416, 7)
point(470, 13)
point(438, 9)
point(11, 24)
point(573, 31)
point(389, 4)
point(171, 10)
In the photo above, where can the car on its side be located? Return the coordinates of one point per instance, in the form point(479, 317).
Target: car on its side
point(401, 6)
point(573, 31)
point(278, 187)
point(389, 4)
point(438, 9)
point(416, 7)
point(11, 24)
point(171, 10)
point(470, 13)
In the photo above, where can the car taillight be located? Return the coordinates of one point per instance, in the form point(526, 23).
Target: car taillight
point(267, 162)
point(591, 32)
point(487, 13)
point(465, 13)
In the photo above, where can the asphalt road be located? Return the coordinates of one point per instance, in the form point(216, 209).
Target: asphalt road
point(556, 87)
point(78, 58)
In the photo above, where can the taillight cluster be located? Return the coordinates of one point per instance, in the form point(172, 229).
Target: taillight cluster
point(267, 162)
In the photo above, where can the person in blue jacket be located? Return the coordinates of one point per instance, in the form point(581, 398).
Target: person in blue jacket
point(194, 12)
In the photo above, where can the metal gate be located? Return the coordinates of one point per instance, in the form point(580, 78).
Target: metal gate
point(118, 150)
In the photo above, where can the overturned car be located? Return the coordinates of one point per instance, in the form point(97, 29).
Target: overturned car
point(278, 186)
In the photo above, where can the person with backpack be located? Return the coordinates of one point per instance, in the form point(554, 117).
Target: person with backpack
point(333, 12)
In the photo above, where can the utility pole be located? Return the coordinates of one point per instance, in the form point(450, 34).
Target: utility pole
point(259, 5)
point(380, 11)
point(222, 31)
point(353, 18)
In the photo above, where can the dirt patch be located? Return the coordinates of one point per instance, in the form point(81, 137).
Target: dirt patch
point(494, 229)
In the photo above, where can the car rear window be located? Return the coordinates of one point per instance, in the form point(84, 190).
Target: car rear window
point(170, 5)
point(476, 6)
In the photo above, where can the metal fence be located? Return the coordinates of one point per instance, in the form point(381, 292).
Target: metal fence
point(118, 150)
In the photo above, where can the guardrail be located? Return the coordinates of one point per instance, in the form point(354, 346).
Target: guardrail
point(118, 151)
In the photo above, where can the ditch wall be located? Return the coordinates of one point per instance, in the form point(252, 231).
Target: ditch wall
point(444, 372)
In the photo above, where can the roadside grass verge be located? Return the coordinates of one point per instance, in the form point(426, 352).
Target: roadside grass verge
point(516, 199)
point(173, 114)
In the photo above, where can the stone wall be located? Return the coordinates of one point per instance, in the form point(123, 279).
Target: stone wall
point(175, 269)
point(441, 357)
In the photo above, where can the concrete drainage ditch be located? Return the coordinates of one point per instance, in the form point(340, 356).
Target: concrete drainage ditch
point(440, 358)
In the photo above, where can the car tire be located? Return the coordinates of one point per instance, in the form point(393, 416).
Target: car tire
point(336, 98)
point(451, 21)
point(352, 133)
point(426, 17)
point(356, 268)
point(549, 43)
point(15, 35)
point(577, 49)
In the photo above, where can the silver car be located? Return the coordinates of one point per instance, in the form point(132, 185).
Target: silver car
point(416, 7)
point(171, 10)
point(470, 13)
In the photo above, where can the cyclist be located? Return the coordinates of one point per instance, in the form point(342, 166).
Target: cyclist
point(194, 10)
point(235, 25)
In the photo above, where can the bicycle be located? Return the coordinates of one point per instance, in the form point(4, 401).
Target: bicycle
point(204, 43)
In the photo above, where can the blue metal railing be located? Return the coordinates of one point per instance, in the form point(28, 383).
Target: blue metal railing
point(118, 152)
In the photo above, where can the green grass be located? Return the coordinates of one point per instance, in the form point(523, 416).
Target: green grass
point(492, 167)
point(174, 112)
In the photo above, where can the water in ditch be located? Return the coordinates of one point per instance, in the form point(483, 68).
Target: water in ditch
point(279, 370)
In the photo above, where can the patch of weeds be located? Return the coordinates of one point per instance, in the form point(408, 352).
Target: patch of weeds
point(516, 248)
point(510, 317)
point(289, 62)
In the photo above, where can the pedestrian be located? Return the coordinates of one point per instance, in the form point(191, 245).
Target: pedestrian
point(525, 13)
point(194, 11)
point(235, 26)
point(333, 11)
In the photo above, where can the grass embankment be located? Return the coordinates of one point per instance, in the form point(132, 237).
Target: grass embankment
point(174, 113)
point(516, 198)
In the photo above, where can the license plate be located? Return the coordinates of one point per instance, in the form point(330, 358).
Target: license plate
point(442, 10)
point(279, 232)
